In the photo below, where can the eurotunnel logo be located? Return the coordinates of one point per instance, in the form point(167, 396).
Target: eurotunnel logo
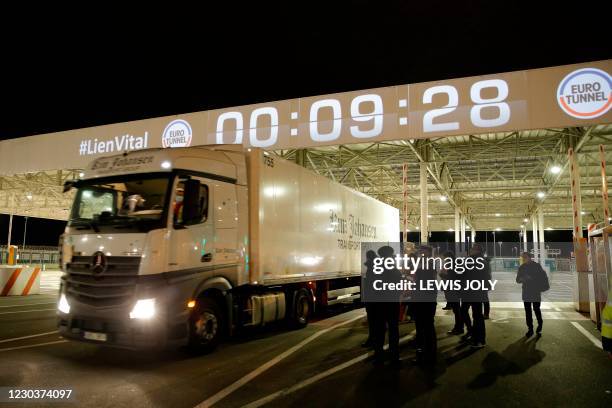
point(585, 93)
point(98, 263)
point(177, 134)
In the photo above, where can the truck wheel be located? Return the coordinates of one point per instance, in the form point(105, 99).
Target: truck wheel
point(206, 326)
point(300, 312)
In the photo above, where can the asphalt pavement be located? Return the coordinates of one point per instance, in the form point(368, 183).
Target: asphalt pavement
point(322, 365)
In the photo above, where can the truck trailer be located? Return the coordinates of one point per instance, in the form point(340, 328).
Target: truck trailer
point(183, 246)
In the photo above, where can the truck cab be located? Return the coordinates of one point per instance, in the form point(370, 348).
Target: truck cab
point(149, 234)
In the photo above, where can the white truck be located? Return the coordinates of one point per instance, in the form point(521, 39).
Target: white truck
point(170, 247)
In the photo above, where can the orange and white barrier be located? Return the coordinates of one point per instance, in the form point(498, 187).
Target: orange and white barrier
point(19, 281)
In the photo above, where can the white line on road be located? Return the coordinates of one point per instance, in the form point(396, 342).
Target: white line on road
point(27, 311)
point(27, 337)
point(31, 304)
point(234, 386)
point(588, 335)
point(34, 345)
point(318, 377)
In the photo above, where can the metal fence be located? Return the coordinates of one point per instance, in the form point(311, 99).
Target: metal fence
point(47, 256)
point(500, 264)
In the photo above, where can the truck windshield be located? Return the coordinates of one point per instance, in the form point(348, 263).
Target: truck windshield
point(131, 202)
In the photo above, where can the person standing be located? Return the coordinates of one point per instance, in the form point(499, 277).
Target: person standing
point(475, 299)
point(386, 313)
point(606, 326)
point(452, 296)
point(424, 302)
point(534, 281)
point(366, 289)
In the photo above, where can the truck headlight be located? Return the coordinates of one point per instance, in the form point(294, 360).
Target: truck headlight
point(63, 305)
point(143, 309)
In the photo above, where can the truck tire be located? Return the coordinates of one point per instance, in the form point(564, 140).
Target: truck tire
point(206, 326)
point(300, 310)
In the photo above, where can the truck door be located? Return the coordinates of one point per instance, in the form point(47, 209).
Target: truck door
point(226, 221)
point(191, 239)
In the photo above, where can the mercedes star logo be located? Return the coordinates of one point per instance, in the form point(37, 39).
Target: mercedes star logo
point(98, 264)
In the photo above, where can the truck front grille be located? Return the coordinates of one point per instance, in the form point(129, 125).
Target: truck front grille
point(112, 287)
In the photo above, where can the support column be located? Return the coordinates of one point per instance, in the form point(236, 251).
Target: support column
point(457, 225)
point(462, 233)
point(300, 157)
point(541, 237)
point(405, 199)
point(604, 185)
point(10, 231)
point(534, 227)
point(525, 238)
point(581, 282)
point(424, 203)
point(473, 236)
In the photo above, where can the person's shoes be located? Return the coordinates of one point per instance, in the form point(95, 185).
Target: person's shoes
point(529, 333)
point(367, 344)
point(466, 337)
point(447, 307)
point(477, 345)
point(486, 317)
point(539, 329)
point(454, 332)
point(419, 358)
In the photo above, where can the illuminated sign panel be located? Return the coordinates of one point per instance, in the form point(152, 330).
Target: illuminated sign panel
point(572, 95)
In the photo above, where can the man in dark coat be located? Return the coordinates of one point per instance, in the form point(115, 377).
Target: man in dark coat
point(424, 303)
point(386, 313)
point(453, 296)
point(474, 299)
point(366, 290)
point(534, 280)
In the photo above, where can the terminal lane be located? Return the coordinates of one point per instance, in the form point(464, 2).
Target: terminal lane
point(330, 370)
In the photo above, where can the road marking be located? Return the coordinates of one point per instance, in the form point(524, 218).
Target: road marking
point(318, 377)
point(31, 304)
point(27, 311)
point(234, 386)
point(34, 345)
point(588, 335)
point(27, 337)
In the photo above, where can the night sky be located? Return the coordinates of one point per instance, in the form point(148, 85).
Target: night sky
point(108, 66)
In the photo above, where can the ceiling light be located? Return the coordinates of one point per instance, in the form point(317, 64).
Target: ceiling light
point(443, 198)
point(497, 214)
point(555, 169)
point(429, 216)
point(525, 220)
point(541, 194)
point(497, 229)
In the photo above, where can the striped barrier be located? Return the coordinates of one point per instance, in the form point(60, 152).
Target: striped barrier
point(19, 281)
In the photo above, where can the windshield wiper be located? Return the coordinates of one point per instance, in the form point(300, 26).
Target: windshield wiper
point(84, 223)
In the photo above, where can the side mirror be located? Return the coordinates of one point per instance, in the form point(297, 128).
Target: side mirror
point(68, 185)
point(191, 202)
